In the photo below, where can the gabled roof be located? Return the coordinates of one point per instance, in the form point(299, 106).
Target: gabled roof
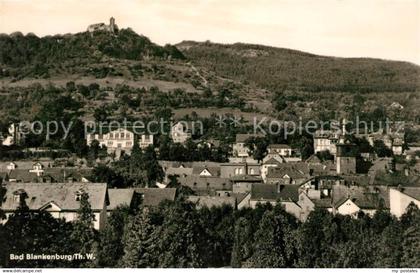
point(62, 194)
point(118, 197)
point(275, 192)
point(153, 196)
point(372, 197)
point(214, 171)
point(272, 161)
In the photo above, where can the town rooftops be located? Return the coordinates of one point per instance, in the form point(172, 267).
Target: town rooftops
point(206, 183)
point(120, 197)
point(153, 196)
point(63, 195)
point(275, 192)
point(272, 161)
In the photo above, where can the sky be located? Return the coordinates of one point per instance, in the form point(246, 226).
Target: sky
point(387, 29)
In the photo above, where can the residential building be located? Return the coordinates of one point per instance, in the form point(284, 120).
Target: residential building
point(351, 200)
point(281, 149)
point(14, 135)
point(62, 200)
point(181, 131)
point(325, 140)
point(232, 169)
point(119, 140)
point(239, 148)
point(285, 195)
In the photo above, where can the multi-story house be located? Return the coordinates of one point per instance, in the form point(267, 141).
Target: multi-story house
point(62, 200)
point(119, 140)
point(326, 140)
point(180, 132)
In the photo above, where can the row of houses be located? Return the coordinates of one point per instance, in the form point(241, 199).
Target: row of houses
point(62, 200)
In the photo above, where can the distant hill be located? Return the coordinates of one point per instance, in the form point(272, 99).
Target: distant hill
point(34, 55)
point(279, 69)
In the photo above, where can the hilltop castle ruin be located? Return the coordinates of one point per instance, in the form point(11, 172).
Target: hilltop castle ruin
point(112, 27)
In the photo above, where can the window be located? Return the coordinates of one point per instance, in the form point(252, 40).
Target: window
point(78, 195)
point(111, 135)
point(122, 135)
point(128, 144)
point(110, 143)
point(16, 197)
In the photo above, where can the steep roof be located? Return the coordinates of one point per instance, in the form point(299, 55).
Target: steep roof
point(179, 171)
point(372, 197)
point(274, 192)
point(118, 197)
point(153, 196)
point(413, 192)
point(214, 171)
point(206, 183)
point(272, 161)
point(322, 203)
point(62, 194)
point(212, 201)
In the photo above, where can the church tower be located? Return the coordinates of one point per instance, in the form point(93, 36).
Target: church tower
point(346, 154)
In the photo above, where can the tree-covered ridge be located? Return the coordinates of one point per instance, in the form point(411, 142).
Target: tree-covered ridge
point(279, 69)
point(18, 50)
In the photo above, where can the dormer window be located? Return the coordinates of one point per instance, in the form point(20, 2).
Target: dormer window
point(78, 195)
point(37, 166)
point(19, 195)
